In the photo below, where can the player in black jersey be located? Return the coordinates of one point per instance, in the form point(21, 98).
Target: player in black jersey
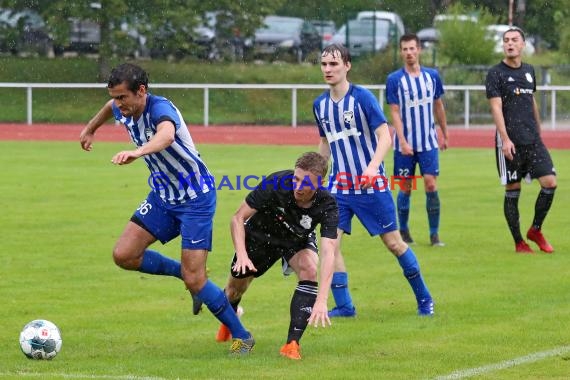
point(520, 151)
point(277, 221)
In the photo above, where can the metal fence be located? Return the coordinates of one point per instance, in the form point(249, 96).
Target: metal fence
point(466, 104)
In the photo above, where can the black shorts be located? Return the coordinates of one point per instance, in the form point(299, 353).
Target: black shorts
point(532, 160)
point(264, 255)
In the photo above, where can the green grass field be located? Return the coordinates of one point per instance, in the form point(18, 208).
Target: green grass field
point(62, 210)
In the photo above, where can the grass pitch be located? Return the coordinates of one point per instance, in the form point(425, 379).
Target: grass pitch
point(62, 210)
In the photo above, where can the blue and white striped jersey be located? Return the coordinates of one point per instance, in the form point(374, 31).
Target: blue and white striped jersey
point(177, 172)
point(415, 96)
point(349, 127)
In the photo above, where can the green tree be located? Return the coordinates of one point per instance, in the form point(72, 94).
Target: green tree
point(561, 20)
point(147, 17)
point(416, 14)
point(338, 11)
point(465, 42)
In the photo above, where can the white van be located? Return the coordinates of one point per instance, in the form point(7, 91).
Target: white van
point(394, 18)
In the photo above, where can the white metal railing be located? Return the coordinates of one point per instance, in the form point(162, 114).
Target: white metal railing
point(467, 89)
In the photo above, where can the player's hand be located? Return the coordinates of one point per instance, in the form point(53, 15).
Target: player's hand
point(367, 178)
point(125, 157)
point(406, 148)
point(320, 314)
point(508, 149)
point(86, 139)
point(243, 265)
point(444, 143)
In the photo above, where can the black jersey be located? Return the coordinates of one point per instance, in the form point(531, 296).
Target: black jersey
point(515, 87)
point(280, 222)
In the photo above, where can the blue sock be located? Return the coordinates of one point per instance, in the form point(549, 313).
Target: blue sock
point(339, 288)
point(403, 202)
point(155, 263)
point(432, 207)
point(219, 305)
point(411, 269)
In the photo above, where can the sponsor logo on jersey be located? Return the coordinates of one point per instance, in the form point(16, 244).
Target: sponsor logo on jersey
point(519, 91)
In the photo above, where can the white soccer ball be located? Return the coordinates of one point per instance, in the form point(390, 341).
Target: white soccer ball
point(40, 339)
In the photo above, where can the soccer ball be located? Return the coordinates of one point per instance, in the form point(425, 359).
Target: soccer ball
point(40, 339)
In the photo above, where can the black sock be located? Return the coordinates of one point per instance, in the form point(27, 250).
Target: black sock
point(511, 208)
point(542, 205)
point(235, 304)
point(301, 307)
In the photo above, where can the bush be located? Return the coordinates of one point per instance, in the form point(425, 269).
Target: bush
point(465, 41)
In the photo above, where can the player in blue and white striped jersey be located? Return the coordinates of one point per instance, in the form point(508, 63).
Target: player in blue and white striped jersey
point(354, 132)
point(414, 94)
point(182, 200)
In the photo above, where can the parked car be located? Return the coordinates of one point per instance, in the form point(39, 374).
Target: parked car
point(366, 36)
point(326, 29)
point(24, 32)
point(395, 20)
point(182, 41)
point(453, 17)
point(213, 38)
point(496, 32)
point(429, 37)
point(85, 36)
point(283, 37)
point(227, 41)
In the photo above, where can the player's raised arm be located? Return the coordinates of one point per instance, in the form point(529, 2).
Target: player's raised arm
point(87, 134)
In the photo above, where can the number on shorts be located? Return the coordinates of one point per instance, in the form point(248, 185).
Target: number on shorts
point(404, 172)
point(144, 208)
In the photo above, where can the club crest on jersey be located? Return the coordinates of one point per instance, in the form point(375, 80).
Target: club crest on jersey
point(148, 133)
point(348, 116)
point(306, 222)
point(528, 77)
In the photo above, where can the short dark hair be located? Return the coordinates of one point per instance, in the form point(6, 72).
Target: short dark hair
point(340, 49)
point(515, 29)
point(313, 162)
point(132, 74)
point(410, 37)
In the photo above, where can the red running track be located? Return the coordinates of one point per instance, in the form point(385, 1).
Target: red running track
point(260, 135)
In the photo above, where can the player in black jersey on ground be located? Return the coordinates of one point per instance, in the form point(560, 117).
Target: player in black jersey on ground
point(520, 151)
point(277, 221)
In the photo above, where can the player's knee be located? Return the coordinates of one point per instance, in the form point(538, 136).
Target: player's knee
point(548, 182)
point(396, 246)
point(194, 279)
point(431, 187)
point(124, 259)
point(308, 272)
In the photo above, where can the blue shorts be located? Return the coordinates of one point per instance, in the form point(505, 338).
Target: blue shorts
point(192, 220)
point(375, 211)
point(428, 162)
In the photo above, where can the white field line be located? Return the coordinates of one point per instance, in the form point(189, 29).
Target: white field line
point(531, 358)
point(460, 374)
